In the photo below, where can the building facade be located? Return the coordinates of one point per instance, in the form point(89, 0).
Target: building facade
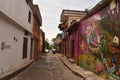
point(16, 40)
point(73, 40)
point(97, 46)
point(37, 22)
point(57, 42)
point(100, 39)
point(68, 18)
point(42, 41)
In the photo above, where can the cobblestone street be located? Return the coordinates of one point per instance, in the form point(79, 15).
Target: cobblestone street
point(47, 67)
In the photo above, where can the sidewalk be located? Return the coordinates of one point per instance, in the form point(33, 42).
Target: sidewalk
point(77, 70)
point(9, 74)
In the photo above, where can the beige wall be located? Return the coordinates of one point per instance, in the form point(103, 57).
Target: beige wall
point(17, 10)
point(73, 18)
point(12, 57)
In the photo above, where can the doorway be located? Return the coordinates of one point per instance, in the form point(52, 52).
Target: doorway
point(72, 50)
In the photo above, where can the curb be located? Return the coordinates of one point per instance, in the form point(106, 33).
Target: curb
point(13, 74)
point(74, 72)
point(81, 74)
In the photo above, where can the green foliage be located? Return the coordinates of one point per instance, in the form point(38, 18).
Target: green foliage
point(53, 40)
point(86, 10)
point(51, 46)
point(46, 45)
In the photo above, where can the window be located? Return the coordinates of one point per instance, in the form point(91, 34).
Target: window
point(25, 42)
point(26, 33)
point(29, 17)
point(31, 49)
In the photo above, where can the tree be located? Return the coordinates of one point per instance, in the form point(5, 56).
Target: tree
point(53, 40)
point(86, 10)
point(46, 45)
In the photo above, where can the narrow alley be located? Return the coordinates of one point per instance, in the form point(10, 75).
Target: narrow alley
point(60, 40)
point(47, 67)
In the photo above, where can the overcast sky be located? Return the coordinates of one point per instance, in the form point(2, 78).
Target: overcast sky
point(51, 10)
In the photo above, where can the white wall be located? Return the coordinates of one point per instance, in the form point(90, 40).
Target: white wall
point(17, 10)
point(11, 58)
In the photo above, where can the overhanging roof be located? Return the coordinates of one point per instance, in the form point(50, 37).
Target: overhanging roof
point(98, 7)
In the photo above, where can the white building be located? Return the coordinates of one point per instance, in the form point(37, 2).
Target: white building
point(16, 22)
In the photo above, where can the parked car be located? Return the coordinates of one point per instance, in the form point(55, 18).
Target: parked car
point(54, 51)
point(46, 50)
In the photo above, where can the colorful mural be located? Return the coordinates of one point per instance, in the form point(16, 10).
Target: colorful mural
point(101, 42)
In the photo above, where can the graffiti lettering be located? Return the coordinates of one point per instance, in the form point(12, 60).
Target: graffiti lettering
point(4, 46)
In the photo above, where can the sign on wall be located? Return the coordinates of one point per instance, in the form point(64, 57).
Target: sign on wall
point(4, 45)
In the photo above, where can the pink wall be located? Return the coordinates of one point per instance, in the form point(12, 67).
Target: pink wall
point(100, 35)
point(73, 36)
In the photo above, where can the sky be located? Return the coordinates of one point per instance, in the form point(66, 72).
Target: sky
point(51, 10)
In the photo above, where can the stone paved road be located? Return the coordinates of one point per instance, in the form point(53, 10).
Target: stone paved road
point(47, 68)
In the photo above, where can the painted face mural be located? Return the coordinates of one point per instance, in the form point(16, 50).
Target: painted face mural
point(101, 41)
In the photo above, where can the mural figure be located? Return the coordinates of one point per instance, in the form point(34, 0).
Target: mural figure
point(118, 73)
point(116, 41)
point(102, 41)
point(88, 34)
point(103, 48)
point(111, 68)
point(92, 37)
